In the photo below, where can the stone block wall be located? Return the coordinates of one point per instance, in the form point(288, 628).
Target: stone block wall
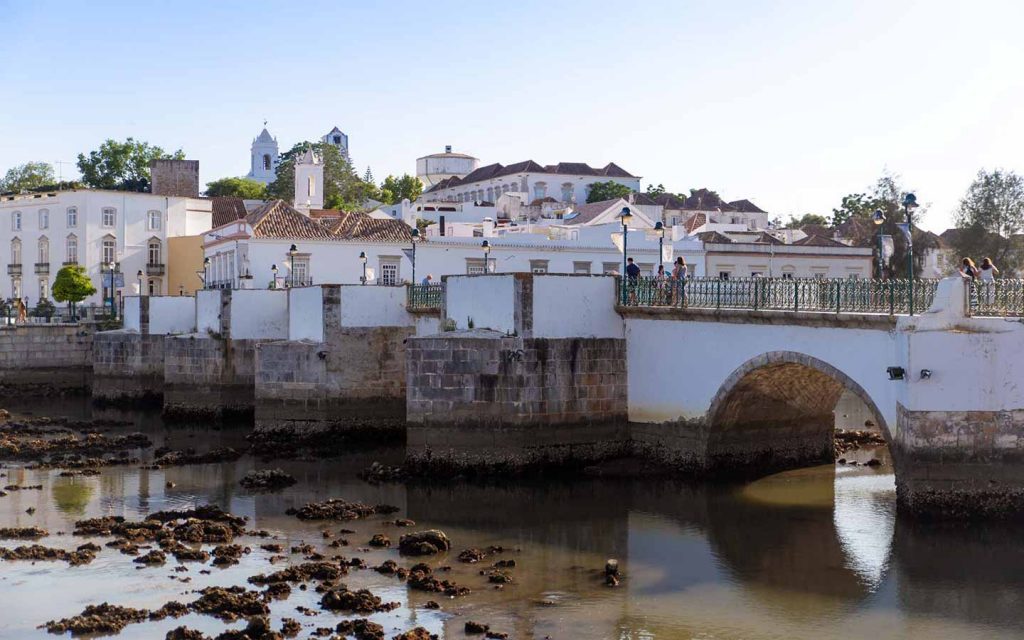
point(355, 379)
point(127, 367)
point(952, 464)
point(46, 357)
point(208, 376)
point(481, 398)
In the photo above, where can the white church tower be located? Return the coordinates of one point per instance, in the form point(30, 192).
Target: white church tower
point(265, 157)
point(309, 182)
point(337, 138)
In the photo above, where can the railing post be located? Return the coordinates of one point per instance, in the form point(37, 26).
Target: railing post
point(718, 294)
point(756, 295)
point(796, 295)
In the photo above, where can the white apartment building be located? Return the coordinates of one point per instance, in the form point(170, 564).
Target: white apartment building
point(41, 232)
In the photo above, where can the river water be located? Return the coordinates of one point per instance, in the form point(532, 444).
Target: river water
point(813, 553)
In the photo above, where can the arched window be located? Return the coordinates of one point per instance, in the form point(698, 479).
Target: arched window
point(16, 251)
point(266, 162)
point(71, 251)
point(490, 194)
point(16, 221)
point(72, 217)
point(540, 190)
point(566, 192)
point(44, 251)
point(44, 219)
point(155, 252)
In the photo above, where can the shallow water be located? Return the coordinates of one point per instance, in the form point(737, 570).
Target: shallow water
point(813, 553)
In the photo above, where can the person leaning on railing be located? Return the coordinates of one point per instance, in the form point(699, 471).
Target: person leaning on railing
point(632, 278)
point(678, 281)
point(987, 275)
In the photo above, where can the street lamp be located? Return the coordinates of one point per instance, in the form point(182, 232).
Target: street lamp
point(486, 246)
point(878, 218)
point(292, 250)
point(139, 276)
point(909, 204)
point(206, 272)
point(625, 217)
point(659, 230)
point(273, 270)
point(181, 289)
point(415, 238)
point(362, 258)
point(113, 311)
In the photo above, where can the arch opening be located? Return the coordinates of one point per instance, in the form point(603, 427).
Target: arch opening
point(776, 412)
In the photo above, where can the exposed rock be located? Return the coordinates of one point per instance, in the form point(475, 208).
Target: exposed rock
point(189, 456)
point(38, 552)
point(184, 633)
point(171, 609)
point(361, 628)
point(290, 627)
point(499, 577)
point(421, 578)
point(362, 601)
point(431, 604)
point(496, 635)
point(154, 557)
point(380, 540)
point(419, 633)
point(228, 554)
point(273, 547)
point(98, 619)
point(424, 543)
point(230, 603)
point(302, 573)
point(339, 509)
point(476, 627)
point(267, 480)
point(378, 473)
point(851, 440)
point(22, 533)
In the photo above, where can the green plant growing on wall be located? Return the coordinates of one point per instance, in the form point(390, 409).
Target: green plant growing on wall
point(448, 325)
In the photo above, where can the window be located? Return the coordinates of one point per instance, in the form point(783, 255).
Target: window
point(15, 287)
point(266, 162)
point(71, 253)
point(540, 190)
point(109, 218)
point(109, 251)
point(300, 275)
point(44, 251)
point(44, 219)
point(475, 266)
point(787, 272)
point(756, 274)
point(153, 221)
point(490, 194)
point(16, 222)
point(44, 289)
point(72, 217)
point(723, 275)
point(538, 266)
point(566, 192)
point(389, 271)
point(16, 251)
point(581, 268)
point(337, 139)
point(610, 267)
point(154, 287)
point(819, 275)
point(155, 252)
point(310, 187)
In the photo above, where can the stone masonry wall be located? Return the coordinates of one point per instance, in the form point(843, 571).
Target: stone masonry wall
point(480, 398)
point(959, 463)
point(48, 357)
point(127, 366)
point(208, 376)
point(356, 378)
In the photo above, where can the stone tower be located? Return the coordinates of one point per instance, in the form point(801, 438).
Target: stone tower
point(264, 158)
point(309, 182)
point(174, 178)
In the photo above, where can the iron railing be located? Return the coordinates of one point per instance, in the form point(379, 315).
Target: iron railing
point(424, 297)
point(995, 298)
point(838, 295)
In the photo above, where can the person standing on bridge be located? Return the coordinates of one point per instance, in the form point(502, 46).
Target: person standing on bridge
point(678, 280)
point(987, 274)
point(633, 278)
point(969, 273)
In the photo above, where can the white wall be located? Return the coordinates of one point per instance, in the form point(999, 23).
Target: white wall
point(207, 311)
point(489, 300)
point(171, 314)
point(306, 314)
point(259, 313)
point(575, 307)
point(131, 314)
point(369, 306)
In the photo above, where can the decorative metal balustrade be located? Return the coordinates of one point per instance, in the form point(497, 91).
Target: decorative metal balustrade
point(995, 298)
point(840, 295)
point(424, 297)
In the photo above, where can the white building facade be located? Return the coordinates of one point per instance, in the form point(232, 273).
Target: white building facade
point(41, 232)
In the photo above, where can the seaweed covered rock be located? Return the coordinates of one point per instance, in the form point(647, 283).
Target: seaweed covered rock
point(424, 543)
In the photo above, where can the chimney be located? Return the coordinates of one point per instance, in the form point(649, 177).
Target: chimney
point(178, 178)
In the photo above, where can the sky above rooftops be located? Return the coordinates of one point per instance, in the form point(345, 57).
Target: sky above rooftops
point(789, 104)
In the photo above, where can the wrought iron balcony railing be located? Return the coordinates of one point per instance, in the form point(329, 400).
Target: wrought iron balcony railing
point(42, 268)
point(14, 269)
point(155, 269)
point(424, 297)
point(995, 298)
point(839, 295)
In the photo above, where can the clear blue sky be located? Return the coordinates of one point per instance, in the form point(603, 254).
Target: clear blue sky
point(790, 104)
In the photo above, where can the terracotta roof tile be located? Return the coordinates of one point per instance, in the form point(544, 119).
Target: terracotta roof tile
point(278, 220)
point(497, 170)
point(227, 210)
point(360, 226)
point(818, 241)
point(745, 206)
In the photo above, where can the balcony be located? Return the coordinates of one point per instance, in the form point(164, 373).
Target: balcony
point(42, 268)
point(14, 269)
point(70, 263)
point(155, 269)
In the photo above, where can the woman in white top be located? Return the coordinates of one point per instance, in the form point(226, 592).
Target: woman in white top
point(987, 275)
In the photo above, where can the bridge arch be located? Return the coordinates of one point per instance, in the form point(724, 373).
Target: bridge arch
point(775, 411)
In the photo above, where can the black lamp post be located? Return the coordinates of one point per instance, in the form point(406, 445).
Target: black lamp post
point(292, 250)
point(273, 270)
point(362, 258)
point(181, 289)
point(206, 272)
point(486, 246)
point(909, 204)
point(415, 238)
point(139, 276)
point(112, 266)
point(625, 217)
point(659, 229)
point(878, 218)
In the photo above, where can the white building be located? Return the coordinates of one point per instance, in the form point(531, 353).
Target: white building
point(757, 254)
point(565, 182)
point(436, 167)
point(309, 182)
point(41, 232)
point(337, 138)
point(263, 158)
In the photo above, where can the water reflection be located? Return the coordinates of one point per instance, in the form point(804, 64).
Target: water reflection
point(806, 554)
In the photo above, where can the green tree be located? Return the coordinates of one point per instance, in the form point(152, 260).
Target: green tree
point(655, 191)
point(26, 177)
point(806, 219)
point(393, 190)
point(72, 286)
point(610, 190)
point(342, 187)
point(368, 176)
point(855, 205)
point(990, 214)
point(123, 166)
point(237, 188)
